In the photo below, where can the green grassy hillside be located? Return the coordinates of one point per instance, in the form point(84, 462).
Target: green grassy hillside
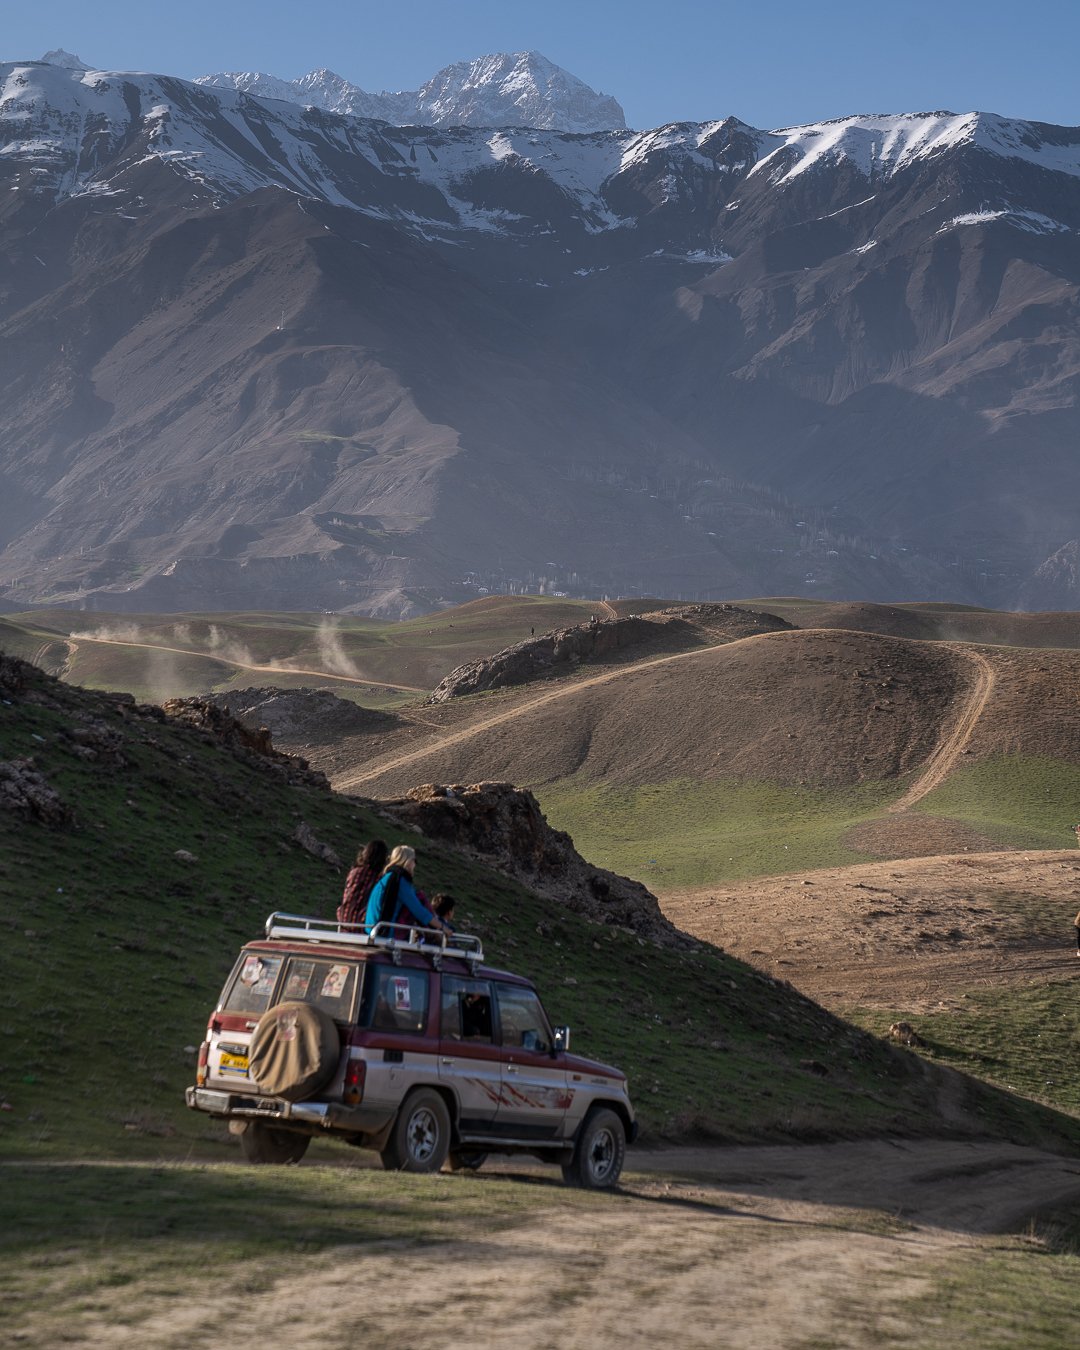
point(115, 949)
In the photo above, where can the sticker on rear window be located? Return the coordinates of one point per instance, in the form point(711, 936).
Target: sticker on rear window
point(401, 993)
point(296, 985)
point(258, 975)
point(334, 984)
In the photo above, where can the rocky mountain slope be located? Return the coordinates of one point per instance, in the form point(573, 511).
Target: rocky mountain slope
point(259, 349)
point(518, 89)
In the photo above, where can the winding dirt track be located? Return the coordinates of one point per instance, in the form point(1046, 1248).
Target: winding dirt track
point(951, 746)
point(362, 680)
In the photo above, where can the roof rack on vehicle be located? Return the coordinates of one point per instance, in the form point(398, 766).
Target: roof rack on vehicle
point(392, 937)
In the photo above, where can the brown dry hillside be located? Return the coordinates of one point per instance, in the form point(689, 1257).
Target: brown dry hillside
point(913, 934)
point(943, 622)
point(795, 707)
point(815, 707)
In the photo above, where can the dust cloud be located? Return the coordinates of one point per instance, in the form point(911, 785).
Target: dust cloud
point(332, 652)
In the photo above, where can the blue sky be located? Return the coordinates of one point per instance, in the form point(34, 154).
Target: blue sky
point(771, 65)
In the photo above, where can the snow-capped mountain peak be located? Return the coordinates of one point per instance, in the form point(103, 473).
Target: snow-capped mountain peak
point(69, 61)
point(515, 89)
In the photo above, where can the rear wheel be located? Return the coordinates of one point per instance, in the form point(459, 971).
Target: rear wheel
point(261, 1143)
point(420, 1139)
point(601, 1149)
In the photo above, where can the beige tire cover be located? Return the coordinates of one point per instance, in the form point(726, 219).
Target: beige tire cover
point(294, 1050)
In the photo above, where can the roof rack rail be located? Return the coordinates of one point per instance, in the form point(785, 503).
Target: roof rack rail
point(392, 937)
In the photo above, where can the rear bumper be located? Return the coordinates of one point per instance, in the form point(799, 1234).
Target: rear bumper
point(317, 1115)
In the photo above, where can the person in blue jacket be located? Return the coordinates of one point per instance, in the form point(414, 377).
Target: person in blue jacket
point(393, 898)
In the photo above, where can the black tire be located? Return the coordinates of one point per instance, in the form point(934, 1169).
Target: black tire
point(601, 1150)
point(420, 1139)
point(466, 1160)
point(263, 1144)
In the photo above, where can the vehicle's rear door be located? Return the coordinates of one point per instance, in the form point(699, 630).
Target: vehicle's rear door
point(248, 994)
point(470, 1062)
point(535, 1096)
point(260, 981)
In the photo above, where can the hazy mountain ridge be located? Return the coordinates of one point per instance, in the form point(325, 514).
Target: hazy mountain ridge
point(258, 345)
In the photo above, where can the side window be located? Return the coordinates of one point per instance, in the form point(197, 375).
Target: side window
point(466, 1010)
point(395, 999)
point(522, 1019)
point(252, 984)
point(328, 984)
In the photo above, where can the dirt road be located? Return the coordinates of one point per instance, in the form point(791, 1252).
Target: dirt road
point(749, 1248)
point(952, 744)
point(272, 669)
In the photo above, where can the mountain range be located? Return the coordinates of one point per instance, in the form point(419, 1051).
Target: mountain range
point(263, 354)
point(518, 89)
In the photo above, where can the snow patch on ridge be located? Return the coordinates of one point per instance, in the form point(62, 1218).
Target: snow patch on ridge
point(879, 146)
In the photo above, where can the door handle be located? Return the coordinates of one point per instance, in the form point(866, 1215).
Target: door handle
point(446, 1061)
point(511, 1068)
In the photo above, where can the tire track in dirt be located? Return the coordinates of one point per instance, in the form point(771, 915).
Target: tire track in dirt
point(951, 746)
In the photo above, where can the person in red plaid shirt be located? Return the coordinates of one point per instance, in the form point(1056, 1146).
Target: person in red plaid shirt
point(370, 862)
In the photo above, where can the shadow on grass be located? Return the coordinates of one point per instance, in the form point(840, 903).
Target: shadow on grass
point(251, 1211)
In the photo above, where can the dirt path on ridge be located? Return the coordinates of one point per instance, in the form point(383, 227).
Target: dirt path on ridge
point(951, 746)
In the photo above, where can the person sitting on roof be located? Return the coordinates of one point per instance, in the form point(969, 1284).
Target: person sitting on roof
point(443, 906)
point(369, 864)
point(393, 898)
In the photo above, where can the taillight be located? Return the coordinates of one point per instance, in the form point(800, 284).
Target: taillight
point(354, 1082)
point(200, 1072)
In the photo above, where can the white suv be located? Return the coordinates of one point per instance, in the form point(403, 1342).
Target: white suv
point(402, 1041)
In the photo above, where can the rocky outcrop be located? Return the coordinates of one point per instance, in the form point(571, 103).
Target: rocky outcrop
point(300, 715)
point(252, 745)
point(503, 826)
point(561, 650)
point(24, 790)
point(306, 837)
point(549, 654)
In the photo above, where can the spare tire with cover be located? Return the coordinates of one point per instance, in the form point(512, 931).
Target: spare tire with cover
point(294, 1050)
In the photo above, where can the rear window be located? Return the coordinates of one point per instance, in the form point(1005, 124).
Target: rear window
point(328, 984)
point(395, 999)
point(252, 984)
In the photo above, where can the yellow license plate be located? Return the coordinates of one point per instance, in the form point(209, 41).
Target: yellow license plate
point(233, 1064)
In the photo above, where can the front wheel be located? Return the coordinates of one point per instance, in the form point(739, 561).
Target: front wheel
point(420, 1139)
point(601, 1149)
point(261, 1143)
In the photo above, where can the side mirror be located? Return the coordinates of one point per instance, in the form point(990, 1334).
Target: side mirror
point(562, 1040)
